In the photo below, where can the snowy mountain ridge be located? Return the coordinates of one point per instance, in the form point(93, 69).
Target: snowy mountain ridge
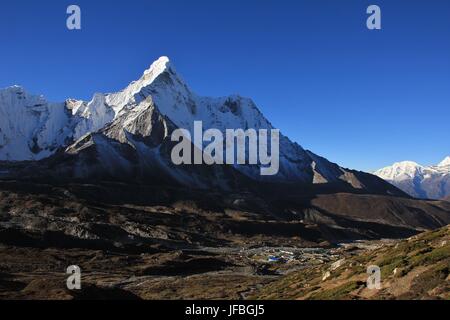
point(445, 162)
point(419, 181)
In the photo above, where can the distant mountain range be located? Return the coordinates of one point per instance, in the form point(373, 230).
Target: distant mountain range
point(426, 182)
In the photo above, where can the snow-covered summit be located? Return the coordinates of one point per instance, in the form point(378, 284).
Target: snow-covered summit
point(445, 162)
point(157, 67)
point(400, 171)
point(417, 180)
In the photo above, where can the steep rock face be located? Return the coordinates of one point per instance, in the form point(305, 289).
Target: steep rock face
point(134, 148)
point(175, 100)
point(432, 182)
point(91, 116)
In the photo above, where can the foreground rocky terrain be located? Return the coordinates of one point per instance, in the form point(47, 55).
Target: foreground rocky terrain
point(415, 268)
point(144, 242)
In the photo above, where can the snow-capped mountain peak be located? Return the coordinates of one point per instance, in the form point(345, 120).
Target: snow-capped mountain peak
point(407, 164)
point(445, 162)
point(157, 67)
point(400, 171)
point(419, 181)
point(160, 74)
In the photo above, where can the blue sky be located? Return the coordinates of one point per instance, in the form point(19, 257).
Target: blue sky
point(361, 98)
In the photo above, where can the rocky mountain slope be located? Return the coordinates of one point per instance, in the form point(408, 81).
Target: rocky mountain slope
point(118, 214)
point(165, 247)
point(432, 182)
point(415, 268)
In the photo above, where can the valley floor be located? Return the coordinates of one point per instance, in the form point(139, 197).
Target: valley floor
point(153, 243)
point(415, 268)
